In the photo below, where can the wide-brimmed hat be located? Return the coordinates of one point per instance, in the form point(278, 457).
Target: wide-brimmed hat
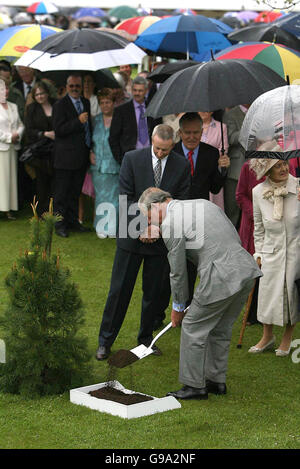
point(261, 166)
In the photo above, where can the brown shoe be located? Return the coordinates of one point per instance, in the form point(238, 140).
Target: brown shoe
point(102, 353)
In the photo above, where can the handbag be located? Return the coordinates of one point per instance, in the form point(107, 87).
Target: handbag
point(42, 150)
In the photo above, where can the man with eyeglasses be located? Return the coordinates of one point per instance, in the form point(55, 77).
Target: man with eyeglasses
point(73, 137)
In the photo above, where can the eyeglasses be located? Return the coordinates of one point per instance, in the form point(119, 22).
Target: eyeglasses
point(74, 86)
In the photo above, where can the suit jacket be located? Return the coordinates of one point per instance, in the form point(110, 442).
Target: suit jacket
point(207, 177)
point(124, 130)
point(70, 150)
point(209, 240)
point(234, 119)
point(136, 175)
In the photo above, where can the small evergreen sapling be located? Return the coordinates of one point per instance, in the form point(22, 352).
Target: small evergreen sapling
point(44, 353)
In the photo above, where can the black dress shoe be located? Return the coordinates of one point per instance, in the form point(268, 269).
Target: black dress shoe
point(79, 228)
point(215, 388)
point(187, 392)
point(102, 352)
point(62, 232)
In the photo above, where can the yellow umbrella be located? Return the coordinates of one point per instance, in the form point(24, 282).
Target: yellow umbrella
point(16, 40)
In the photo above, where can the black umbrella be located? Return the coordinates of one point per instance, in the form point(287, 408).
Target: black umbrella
point(232, 21)
point(213, 85)
point(103, 78)
point(164, 71)
point(85, 49)
point(265, 32)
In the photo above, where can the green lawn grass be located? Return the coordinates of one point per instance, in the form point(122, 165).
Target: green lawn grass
point(261, 409)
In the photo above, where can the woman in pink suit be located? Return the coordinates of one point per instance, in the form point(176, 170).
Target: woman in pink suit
point(247, 181)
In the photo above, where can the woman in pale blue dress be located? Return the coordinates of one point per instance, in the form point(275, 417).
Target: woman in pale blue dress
point(105, 170)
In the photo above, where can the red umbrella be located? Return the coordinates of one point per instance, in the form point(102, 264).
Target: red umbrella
point(137, 25)
point(268, 16)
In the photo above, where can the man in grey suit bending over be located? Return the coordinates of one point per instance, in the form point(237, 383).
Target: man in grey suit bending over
point(199, 231)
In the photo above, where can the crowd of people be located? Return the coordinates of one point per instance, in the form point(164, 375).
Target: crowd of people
point(84, 141)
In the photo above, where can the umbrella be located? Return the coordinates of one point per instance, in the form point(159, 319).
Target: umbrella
point(122, 12)
point(278, 136)
point(290, 23)
point(213, 85)
point(232, 21)
point(87, 49)
point(246, 15)
point(137, 25)
point(5, 20)
point(284, 61)
point(83, 12)
point(177, 36)
point(164, 71)
point(268, 16)
point(22, 18)
point(42, 8)
point(265, 32)
point(120, 32)
point(184, 11)
point(103, 78)
point(16, 40)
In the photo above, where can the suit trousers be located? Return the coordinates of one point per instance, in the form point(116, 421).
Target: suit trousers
point(205, 338)
point(67, 189)
point(124, 273)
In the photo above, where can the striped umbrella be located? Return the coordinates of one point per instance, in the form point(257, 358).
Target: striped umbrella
point(42, 8)
point(284, 61)
point(137, 25)
point(16, 40)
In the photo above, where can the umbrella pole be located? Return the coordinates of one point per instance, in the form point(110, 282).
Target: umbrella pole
point(246, 314)
point(187, 47)
point(223, 170)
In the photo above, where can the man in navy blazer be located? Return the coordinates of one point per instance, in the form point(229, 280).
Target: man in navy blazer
point(124, 130)
point(208, 168)
point(138, 172)
point(73, 138)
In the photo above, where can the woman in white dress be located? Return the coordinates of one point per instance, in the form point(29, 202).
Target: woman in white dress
point(11, 130)
point(276, 213)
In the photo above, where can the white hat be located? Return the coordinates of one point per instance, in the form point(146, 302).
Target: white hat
point(261, 166)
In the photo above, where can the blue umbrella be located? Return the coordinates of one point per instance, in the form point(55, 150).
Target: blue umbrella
point(94, 12)
point(178, 35)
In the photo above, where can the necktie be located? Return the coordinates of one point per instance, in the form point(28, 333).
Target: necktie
point(87, 135)
point(29, 88)
point(190, 158)
point(157, 173)
point(142, 126)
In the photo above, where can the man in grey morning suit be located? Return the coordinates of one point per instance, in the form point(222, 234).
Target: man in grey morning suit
point(199, 231)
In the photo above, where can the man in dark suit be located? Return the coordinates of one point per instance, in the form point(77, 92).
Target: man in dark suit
point(160, 166)
point(73, 137)
point(130, 129)
point(208, 168)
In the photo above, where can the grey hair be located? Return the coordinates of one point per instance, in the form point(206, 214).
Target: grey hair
point(140, 81)
point(164, 131)
point(152, 195)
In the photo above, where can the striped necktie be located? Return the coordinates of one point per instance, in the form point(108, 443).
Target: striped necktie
point(157, 173)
